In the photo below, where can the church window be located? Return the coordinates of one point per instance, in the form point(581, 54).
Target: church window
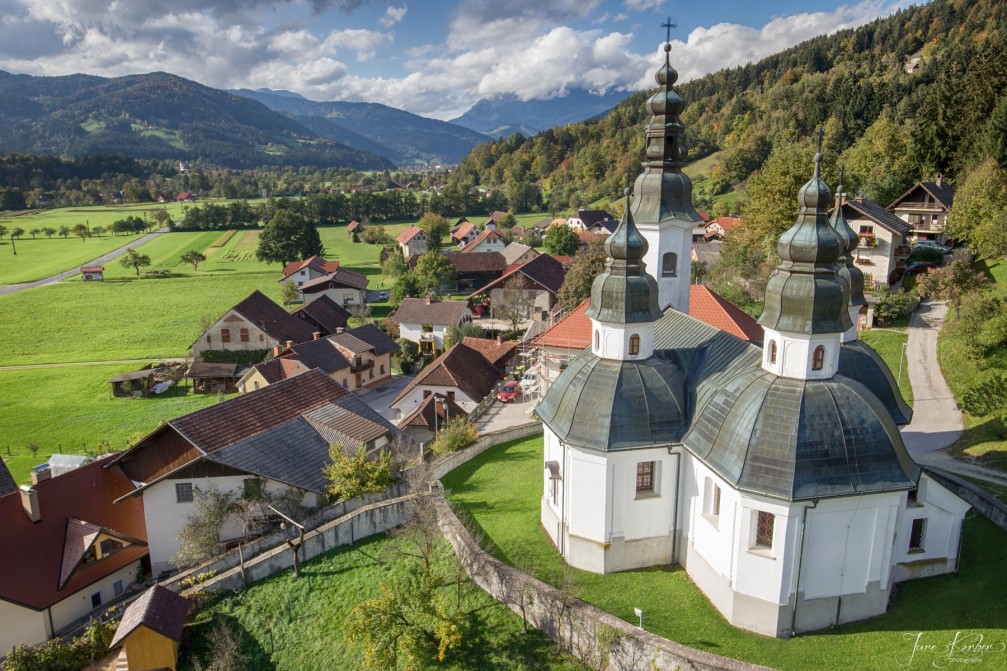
point(818, 360)
point(764, 530)
point(634, 345)
point(669, 263)
point(772, 352)
point(711, 501)
point(645, 477)
point(716, 500)
point(597, 340)
point(917, 535)
point(225, 335)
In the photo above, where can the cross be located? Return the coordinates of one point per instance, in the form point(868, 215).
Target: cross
point(668, 25)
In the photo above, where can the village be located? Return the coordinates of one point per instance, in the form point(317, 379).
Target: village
point(516, 437)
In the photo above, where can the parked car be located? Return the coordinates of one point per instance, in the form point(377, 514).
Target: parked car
point(509, 392)
point(529, 380)
point(917, 267)
point(382, 295)
point(932, 244)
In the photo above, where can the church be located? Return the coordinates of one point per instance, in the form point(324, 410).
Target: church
point(776, 476)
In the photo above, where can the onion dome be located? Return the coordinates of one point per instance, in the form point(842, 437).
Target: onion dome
point(664, 107)
point(861, 363)
point(847, 270)
point(609, 405)
point(801, 439)
point(804, 294)
point(624, 293)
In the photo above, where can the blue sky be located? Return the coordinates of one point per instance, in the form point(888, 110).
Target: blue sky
point(432, 57)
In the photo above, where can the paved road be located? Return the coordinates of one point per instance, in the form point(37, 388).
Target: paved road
point(937, 421)
point(500, 416)
point(380, 398)
point(104, 258)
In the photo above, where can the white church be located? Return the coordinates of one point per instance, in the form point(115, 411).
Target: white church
point(775, 475)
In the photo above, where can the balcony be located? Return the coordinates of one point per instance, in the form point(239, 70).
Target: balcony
point(362, 366)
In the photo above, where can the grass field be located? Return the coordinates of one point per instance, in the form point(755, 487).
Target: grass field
point(984, 436)
point(43, 257)
point(501, 490)
point(295, 625)
point(888, 343)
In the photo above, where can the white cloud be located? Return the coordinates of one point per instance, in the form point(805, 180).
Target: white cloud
point(642, 5)
point(392, 16)
point(364, 42)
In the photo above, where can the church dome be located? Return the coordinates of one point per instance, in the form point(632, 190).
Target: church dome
point(801, 439)
point(609, 405)
point(858, 361)
point(846, 269)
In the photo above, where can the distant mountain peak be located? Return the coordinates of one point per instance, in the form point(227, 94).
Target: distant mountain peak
point(506, 114)
point(281, 92)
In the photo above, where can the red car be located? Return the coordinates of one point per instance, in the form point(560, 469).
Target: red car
point(509, 392)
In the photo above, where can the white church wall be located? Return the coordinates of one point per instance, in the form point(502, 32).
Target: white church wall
point(612, 341)
point(942, 512)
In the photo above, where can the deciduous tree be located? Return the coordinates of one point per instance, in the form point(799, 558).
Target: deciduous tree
point(194, 258)
point(135, 260)
point(433, 273)
point(356, 473)
point(436, 227)
point(199, 539)
point(287, 237)
point(561, 241)
point(979, 213)
point(587, 264)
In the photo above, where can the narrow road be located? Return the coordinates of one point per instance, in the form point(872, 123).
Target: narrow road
point(937, 421)
point(104, 258)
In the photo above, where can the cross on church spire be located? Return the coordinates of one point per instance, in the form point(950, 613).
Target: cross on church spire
point(668, 25)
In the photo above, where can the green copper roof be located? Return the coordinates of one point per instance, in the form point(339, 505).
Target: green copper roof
point(624, 293)
point(847, 270)
point(804, 293)
point(663, 191)
point(858, 361)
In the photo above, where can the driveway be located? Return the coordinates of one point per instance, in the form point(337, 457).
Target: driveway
point(506, 415)
point(937, 421)
point(380, 397)
point(104, 258)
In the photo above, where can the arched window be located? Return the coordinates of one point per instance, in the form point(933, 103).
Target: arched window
point(669, 265)
point(597, 340)
point(634, 345)
point(772, 351)
point(818, 360)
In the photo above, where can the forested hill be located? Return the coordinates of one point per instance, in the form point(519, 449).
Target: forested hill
point(159, 116)
point(890, 126)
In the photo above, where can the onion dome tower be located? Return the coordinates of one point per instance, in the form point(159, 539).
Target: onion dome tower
point(847, 270)
point(663, 209)
point(806, 300)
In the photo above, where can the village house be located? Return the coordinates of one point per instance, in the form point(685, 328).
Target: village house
point(487, 241)
point(493, 222)
point(883, 248)
point(471, 270)
point(425, 422)
point(151, 629)
point(323, 314)
point(460, 374)
point(254, 324)
point(498, 352)
point(212, 378)
point(92, 273)
point(586, 220)
point(344, 287)
point(926, 207)
point(271, 371)
point(425, 321)
point(68, 551)
point(516, 254)
point(464, 232)
point(412, 241)
point(542, 278)
point(300, 272)
point(273, 441)
point(721, 227)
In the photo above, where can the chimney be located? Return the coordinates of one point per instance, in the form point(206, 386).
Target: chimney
point(29, 501)
point(339, 329)
point(290, 343)
point(428, 299)
point(499, 340)
point(276, 351)
point(316, 335)
point(940, 178)
point(40, 475)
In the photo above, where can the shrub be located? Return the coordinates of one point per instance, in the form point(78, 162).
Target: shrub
point(244, 357)
point(987, 397)
point(58, 654)
point(350, 475)
point(458, 433)
point(926, 254)
point(890, 307)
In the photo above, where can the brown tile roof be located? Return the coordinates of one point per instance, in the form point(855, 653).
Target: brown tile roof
point(486, 262)
point(340, 278)
point(353, 225)
point(374, 337)
point(587, 237)
point(316, 263)
point(324, 314)
point(476, 241)
point(31, 566)
point(460, 367)
point(543, 270)
point(418, 311)
point(281, 368)
point(942, 192)
point(496, 353)
point(405, 236)
point(201, 369)
point(423, 416)
point(462, 230)
point(92, 269)
point(7, 483)
point(272, 319)
point(158, 609)
point(496, 217)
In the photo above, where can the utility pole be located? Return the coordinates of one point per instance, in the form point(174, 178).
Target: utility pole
point(901, 359)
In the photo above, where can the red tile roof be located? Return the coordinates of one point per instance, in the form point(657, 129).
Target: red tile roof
point(726, 223)
point(31, 566)
point(496, 353)
point(462, 230)
point(476, 241)
point(353, 225)
point(405, 236)
point(316, 263)
point(92, 269)
point(574, 330)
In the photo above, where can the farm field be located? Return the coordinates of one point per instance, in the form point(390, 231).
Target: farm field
point(294, 625)
point(43, 257)
point(501, 490)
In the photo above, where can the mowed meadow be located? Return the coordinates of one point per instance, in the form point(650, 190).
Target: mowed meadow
point(67, 406)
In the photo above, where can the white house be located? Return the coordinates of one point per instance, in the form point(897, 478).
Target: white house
point(596, 221)
point(775, 475)
point(412, 241)
point(300, 272)
point(344, 287)
point(883, 248)
point(256, 323)
point(487, 241)
point(462, 375)
point(425, 321)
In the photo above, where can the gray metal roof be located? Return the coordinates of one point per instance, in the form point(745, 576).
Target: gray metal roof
point(858, 361)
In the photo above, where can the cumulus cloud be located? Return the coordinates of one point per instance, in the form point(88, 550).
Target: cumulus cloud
point(392, 16)
point(642, 5)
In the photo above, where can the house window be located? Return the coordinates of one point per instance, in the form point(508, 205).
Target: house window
point(818, 359)
point(256, 383)
point(252, 488)
point(451, 396)
point(772, 352)
point(225, 335)
point(382, 369)
point(109, 546)
point(866, 229)
point(209, 339)
point(183, 492)
point(370, 373)
point(669, 263)
point(634, 345)
point(764, 530)
point(95, 600)
point(645, 477)
point(243, 335)
point(917, 535)
point(117, 588)
point(262, 338)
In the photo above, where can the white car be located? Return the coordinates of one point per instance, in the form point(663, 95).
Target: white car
point(529, 380)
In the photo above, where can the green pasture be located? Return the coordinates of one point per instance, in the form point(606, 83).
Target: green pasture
point(70, 409)
point(888, 343)
point(501, 490)
point(297, 625)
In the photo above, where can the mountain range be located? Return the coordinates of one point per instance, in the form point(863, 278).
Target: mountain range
point(505, 115)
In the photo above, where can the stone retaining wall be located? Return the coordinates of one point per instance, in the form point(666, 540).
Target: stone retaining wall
point(989, 506)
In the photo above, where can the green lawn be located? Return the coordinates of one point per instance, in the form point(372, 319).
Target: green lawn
point(297, 625)
point(984, 437)
point(42, 256)
point(70, 409)
point(501, 490)
point(888, 343)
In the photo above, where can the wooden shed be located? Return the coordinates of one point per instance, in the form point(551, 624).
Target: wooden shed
point(210, 377)
point(151, 628)
point(93, 273)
